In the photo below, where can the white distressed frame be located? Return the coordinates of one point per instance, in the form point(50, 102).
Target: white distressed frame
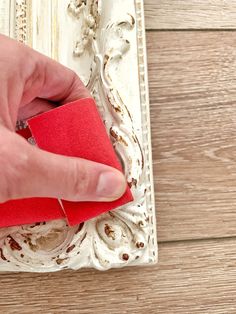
point(104, 42)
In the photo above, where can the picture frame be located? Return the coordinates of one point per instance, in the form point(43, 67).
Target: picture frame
point(103, 41)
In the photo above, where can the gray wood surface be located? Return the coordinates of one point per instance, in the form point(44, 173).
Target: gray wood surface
point(192, 277)
point(190, 14)
point(193, 113)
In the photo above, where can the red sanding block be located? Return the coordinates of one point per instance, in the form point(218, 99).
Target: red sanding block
point(76, 130)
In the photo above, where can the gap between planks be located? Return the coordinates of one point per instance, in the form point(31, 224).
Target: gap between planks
point(190, 30)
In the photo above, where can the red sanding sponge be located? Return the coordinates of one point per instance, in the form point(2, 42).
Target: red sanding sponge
point(76, 130)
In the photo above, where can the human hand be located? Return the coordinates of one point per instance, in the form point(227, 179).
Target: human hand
point(29, 84)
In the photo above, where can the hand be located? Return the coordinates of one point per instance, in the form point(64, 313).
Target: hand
point(29, 84)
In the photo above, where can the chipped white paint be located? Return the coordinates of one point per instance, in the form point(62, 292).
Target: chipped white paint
point(104, 42)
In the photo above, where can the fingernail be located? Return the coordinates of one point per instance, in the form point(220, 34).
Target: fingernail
point(111, 185)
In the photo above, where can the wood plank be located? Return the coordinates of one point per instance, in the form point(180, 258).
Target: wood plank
point(193, 114)
point(191, 14)
point(192, 277)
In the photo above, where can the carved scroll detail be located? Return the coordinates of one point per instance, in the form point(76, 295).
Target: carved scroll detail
point(109, 49)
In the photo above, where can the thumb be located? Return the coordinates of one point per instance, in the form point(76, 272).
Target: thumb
point(30, 172)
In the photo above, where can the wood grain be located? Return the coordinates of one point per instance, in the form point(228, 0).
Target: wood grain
point(192, 277)
point(190, 14)
point(193, 114)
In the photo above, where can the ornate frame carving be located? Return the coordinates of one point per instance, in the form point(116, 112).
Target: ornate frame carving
point(102, 40)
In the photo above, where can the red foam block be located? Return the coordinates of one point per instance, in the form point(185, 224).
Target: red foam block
point(30, 210)
point(77, 130)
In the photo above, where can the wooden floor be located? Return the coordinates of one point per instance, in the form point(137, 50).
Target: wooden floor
point(192, 72)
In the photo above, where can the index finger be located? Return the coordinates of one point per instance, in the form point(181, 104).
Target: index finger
point(61, 84)
point(41, 76)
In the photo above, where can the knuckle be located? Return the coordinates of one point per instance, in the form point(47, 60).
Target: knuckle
point(13, 164)
point(80, 180)
point(5, 193)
